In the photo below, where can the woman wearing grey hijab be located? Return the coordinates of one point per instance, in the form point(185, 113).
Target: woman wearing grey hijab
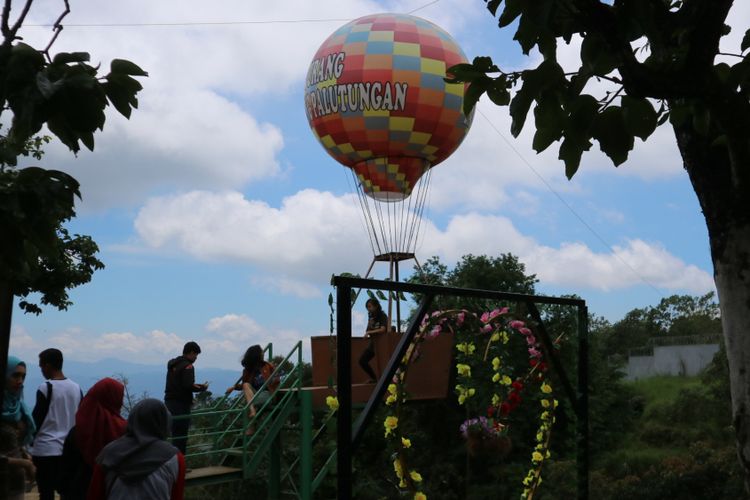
point(141, 464)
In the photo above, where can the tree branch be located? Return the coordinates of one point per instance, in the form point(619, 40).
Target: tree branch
point(5, 26)
point(57, 27)
point(20, 20)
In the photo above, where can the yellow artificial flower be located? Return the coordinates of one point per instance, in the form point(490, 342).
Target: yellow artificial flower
point(496, 363)
point(506, 380)
point(415, 476)
point(495, 400)
point(405, 442)
point(463, 370)
point(461, 399)
point(554, 403)
point(392, 389)
point(420, 496)
point(390, 424)
point(397, 468)
point(537, 457)
point(546, 388)
point(332, 402)
point(496, 377)
point(545, 403)
point(471, 348)
point(539, 436)
point(471, 391)
point(527, 480)
point(545, 415)
point(402, 483)
point(505, 337)
point(547, 455)
point(495, 337)
point(391, 399)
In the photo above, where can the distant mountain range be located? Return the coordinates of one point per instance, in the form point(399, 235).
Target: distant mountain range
point(142, 380)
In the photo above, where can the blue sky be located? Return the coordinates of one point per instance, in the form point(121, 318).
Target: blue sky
point(220, 219)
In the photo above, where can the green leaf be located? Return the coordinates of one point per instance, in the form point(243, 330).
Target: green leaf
point(499, 95)
point(510, 13)
point(610, 131)
point(484, 64)
point(330, 299)
point(87, 138)
point(492, 6)
point(549, 118)
point(473, 93)
point(570, 152)
point(596, 58)
point(640, 117)
point(71, 57)
point(745, 41)
point(519, 106)
point(126, 67)
point(370, 294)
point(380, 295)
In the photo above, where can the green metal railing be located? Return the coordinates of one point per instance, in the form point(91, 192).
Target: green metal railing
point(220, 435)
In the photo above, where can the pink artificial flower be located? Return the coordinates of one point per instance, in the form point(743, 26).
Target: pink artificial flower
point(498, 312)
point(437, 313)
point(534, 353)
point(487, 329)
point(517, 324)
point(435, 331)
point(530, 340)
point(460, 317)
point(524, 330)
point(485, 317)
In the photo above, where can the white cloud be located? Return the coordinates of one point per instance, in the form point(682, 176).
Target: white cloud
point(230, 335)
point(636, 263)
point(235, 327)
point(21, 341)
point(312, 234)
point(284, 240)
point(288, 286)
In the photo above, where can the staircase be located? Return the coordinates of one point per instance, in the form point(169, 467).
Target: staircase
point(222, 450)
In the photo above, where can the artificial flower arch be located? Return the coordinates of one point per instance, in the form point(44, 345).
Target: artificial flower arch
point(492, 331)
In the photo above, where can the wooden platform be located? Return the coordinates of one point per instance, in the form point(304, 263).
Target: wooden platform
point(211, 475)
point(428, 377)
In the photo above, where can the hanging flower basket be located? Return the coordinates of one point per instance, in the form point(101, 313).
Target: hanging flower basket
point(498, 446)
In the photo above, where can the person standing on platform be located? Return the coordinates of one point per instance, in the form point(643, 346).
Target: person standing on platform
point(57, 401)
point(178, 393)
point(377, 323)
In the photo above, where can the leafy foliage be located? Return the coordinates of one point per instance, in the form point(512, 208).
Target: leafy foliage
point(67, 95)
point(678, 72)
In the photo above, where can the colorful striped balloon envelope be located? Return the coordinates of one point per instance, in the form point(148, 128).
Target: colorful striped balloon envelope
point(377, 101)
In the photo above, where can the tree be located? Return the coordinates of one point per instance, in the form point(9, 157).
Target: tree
point(649, 52)
point(67, 95)
point(505, 273)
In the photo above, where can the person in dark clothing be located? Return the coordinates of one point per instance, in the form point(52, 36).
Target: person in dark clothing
point(178, 393)
point(377, 323)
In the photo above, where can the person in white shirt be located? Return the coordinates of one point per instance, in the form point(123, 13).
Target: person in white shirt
point(57, 401)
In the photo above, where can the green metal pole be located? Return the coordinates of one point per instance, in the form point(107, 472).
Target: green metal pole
point(305, 417)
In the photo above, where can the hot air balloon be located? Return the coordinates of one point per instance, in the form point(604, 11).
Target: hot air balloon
point(377, 101)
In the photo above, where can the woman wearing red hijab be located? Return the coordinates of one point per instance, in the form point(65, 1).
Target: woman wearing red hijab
point(98, 423)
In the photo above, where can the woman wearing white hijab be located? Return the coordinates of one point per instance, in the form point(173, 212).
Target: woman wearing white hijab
point(141, 464)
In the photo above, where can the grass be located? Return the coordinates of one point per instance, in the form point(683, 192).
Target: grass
point(663, 389)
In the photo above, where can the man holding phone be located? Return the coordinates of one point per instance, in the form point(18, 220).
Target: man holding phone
point(178, 393)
